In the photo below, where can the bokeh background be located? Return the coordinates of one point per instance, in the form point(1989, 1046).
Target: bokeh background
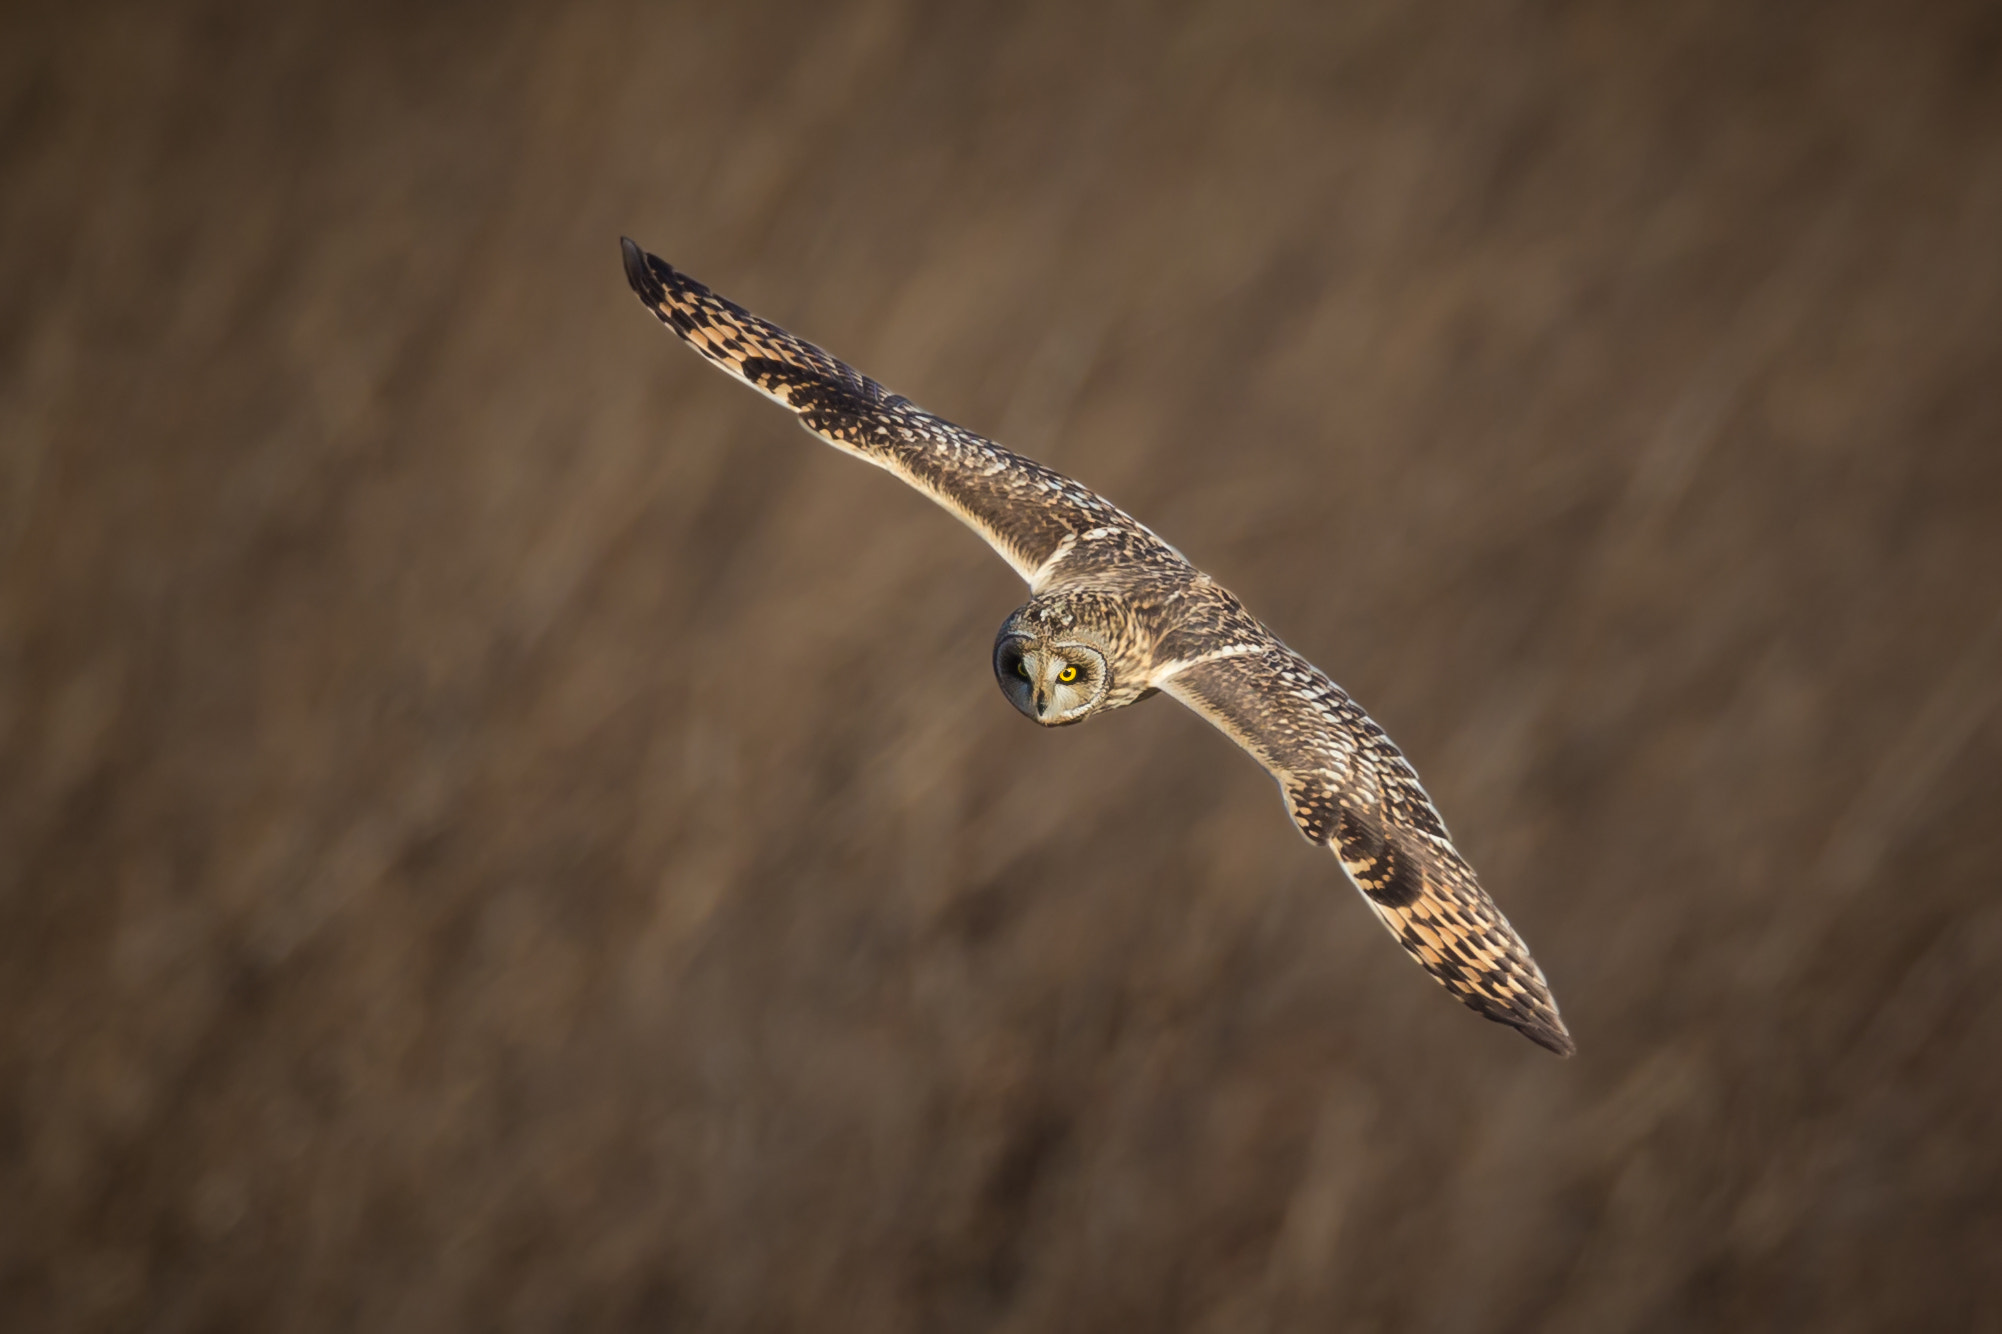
point(498, 830)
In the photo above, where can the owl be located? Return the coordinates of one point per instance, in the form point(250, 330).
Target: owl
point(1115, 615)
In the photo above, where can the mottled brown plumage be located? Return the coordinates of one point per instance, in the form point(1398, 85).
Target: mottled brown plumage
point(1116, 614)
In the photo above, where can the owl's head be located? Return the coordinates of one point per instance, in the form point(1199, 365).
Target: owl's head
point(1049, 667)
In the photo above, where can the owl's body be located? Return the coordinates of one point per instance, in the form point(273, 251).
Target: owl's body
point(1116, 614)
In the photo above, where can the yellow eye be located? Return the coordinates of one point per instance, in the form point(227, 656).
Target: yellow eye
point(1022, 668)
point(1067, 675)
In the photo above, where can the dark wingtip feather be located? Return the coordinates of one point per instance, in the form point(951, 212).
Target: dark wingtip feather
point(1537, 1022)
point(1551, 1036)
point(639, 272)
point(1552, 1039)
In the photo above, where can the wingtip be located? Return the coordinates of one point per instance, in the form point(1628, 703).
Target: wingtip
point(1552, 1039)
point(1539, 1023)
point(639, 272)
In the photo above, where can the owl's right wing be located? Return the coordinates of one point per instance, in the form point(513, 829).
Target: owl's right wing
point(1352, 791)
point(1034, 516)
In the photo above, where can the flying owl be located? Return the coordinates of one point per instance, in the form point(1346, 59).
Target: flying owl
point(1115, 614)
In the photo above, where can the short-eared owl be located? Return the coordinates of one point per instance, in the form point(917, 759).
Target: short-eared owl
point(1115, 614)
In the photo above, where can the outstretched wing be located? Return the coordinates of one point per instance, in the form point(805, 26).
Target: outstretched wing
point(1352, 791)
point(1035, 517)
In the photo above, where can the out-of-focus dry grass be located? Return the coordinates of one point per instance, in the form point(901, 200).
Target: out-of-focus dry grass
point(498, 830)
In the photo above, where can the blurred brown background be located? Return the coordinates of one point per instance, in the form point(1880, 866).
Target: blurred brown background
point(498, 830)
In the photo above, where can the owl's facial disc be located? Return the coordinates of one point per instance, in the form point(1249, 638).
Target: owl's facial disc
point(1050, 683)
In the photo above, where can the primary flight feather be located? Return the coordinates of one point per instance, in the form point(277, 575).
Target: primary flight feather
point(1116, 614)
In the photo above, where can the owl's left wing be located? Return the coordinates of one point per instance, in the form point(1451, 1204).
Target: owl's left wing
point(1034, 516)
point(1352, 791)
